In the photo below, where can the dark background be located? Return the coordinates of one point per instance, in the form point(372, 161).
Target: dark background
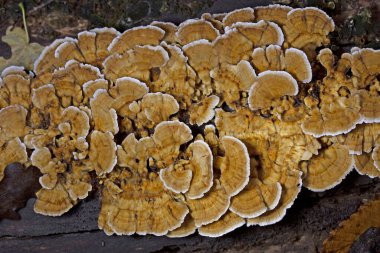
point(306, 224)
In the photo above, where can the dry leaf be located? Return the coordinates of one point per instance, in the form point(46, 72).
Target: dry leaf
point(23, 53)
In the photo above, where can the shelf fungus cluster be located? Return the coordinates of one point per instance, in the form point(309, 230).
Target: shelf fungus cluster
point(206, 126)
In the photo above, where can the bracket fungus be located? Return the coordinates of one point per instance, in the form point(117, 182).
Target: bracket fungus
point(205, 126)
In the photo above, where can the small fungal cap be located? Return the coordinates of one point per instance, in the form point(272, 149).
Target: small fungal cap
point(102, 152)
point(54, 202)
point(203, 111)
point(271, 85)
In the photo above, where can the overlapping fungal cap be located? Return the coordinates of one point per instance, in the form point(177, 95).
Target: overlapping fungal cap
point(205, 126)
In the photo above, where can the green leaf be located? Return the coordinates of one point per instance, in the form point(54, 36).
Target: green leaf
point(23, 53)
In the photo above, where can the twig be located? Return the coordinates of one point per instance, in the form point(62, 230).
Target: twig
point(21, 5)
point(40, 6)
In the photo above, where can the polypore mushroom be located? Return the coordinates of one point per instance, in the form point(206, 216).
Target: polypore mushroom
point(102, 153)
point(142, 35)
point(365, 164)
point(193, 29)
point(271, 85)
point(273, 12)
point(203, 111)
point(137, 62)
point(227, 223)
point(240, 15)
point(169, 28)
point(232, 82)
point(103, 115)
point(10, 152)
point(262, 33)
point(328, 168)
point(294, 61)
point(307, 29)
point(14, 87)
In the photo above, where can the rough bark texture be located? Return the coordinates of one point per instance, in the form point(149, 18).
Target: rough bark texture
point(306, 224)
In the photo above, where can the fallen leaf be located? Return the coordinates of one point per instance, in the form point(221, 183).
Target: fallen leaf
point(19, 185)
point(23, 53)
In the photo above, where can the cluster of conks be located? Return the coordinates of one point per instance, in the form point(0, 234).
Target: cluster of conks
point(205, 126)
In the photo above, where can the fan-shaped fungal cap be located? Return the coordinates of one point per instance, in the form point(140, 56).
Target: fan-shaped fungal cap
point(54, 202)
point(365, 165)
point(234, 165)
point(201, 162)
point(365, 65)
point(328, 168)
point(137, 63)
point(102, 152)
point(202, 58)
point(362, 139)
point(262, 33)
point(170, 30)
point(203, 111)
point(127, 90)
point(240, 15)
point(103, 116)
point(15, 85)
point(297, 64)
point(90, 87)
point(176, 177)
point(187, 228)
point(274, 12)
point(159, 107)
point(142, 35)
point(10, 152)
point(271, 85)
point(231, 81)
point(291, 183)
point(78, 120)
point(210, 207)
point(195, 29)
point(12, 123)
point(68, 81)
point(308, 27)
point(143, 206)
point(232, 47)
point(227, 223)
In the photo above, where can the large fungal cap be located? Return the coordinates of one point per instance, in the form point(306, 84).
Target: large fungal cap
point(262, 33)
point(234, 165)
point(308, 28)
point(54, 202)
point(362, 139)
point(210, 207)
point(232, 47)
point(365, 164)
point(159, 107)
point(103, 115)
point(365, 65)
point(227, 223)
point(14, 87)
point(142, 206)
point(256, 198)
point(201, 162)
point(68, 81)
point(202, 58)
point(203, 111)
point(102, 152)
point(232, 82)
point(328, 168)
point(138, 62)
point(142, 35)
point(12, 123)
point(10, 152)
point(125, 91)
point(187, 228)
point(271, 85)
point(291, 184)
point(240, 15)
point(274, 12)
point(194, 29)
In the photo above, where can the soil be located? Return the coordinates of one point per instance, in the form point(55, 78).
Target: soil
point(306, 224)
